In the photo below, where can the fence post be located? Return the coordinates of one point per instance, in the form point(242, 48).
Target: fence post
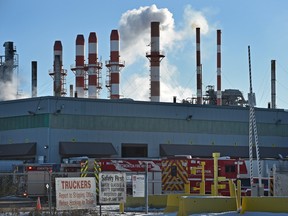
point(50, 194)
point(146, 188)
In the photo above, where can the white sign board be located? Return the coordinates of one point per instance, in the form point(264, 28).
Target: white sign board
point(112, 187)
point(138, 185)
point(75, 193)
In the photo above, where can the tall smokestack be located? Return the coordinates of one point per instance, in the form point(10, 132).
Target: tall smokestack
point(94, 67)
point(114, 66)
point(58, 56)
point(71, 90)
point(199, 67)
point(155, 58)
point(273, 86)
point(58, 73)
point(34, 78)
point(219, 93)
point(57, 77)
point(79, 66)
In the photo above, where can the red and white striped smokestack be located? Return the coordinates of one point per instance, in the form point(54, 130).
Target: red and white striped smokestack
point(114, 59)
point(57, 68)
point(58, 73)
point(155, 58)
point(94, 66)
point(79, 67)
point(219, 92)
point(199, 67)
point(114, 65)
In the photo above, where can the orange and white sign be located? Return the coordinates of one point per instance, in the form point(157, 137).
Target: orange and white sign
point(75, 193)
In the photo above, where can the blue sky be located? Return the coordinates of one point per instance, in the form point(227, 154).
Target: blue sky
point(34, 25)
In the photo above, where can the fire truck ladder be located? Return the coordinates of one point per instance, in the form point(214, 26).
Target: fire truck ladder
point(253, 130)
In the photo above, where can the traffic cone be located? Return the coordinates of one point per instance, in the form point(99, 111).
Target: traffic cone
point(38, 206)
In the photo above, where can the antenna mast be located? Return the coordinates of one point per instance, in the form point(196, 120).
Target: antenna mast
point(253, 130)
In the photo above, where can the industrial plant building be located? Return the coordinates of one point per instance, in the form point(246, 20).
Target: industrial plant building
point(56, 128)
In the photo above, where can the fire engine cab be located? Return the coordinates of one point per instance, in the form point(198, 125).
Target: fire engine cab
point(35, 179)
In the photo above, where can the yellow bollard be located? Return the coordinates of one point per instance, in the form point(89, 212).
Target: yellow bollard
point(238, 195)
point(216, 155)
point(202, 184)
point(121, 208)
point(202, 188)
point(187, 188)
point(231, 188)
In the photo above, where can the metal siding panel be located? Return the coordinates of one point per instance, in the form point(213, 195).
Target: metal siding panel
point(22, 122)
point(124, 123)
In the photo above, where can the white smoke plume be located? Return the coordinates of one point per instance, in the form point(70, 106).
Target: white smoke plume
point(134, 27)
point(192, 20)
point(9, 90)
point(135, 30)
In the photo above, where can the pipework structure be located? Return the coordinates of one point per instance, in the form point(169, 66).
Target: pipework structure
point(114, 65)
point(219, 93)
point(198, 68)
point(9, 64)
point(94, 67)
point(79, 68)
point(155, 57)
point(58, 73)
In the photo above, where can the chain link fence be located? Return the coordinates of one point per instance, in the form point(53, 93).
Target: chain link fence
point(20, 192)
point(9, 184)
point(21, 189)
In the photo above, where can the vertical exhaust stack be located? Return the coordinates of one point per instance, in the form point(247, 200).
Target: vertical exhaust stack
point(155, 58)
point(79, 67)
point(71, 90)
point(58, 74)
point(94, 67)
point(114, 66)
point(199, 67)
point(219, 93)
point(273, 86)
point(34, 78)
point(57, 68)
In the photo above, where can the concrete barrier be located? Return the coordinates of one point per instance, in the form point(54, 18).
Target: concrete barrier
point(154, 201)
point(173, 202)
point(205, 204)
point(264, 204)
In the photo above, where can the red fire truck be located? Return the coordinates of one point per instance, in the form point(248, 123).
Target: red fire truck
point(180, 170)
point(172, 173)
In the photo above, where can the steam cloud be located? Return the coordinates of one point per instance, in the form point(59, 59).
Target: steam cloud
point(10, 90)
point(134, 27)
